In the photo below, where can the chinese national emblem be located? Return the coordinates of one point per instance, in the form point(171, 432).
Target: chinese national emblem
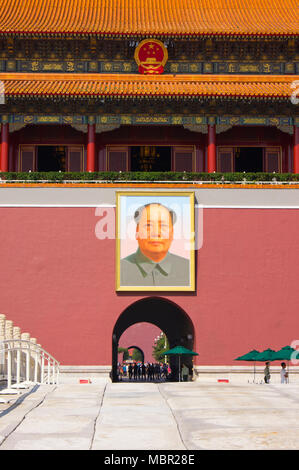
point(151, 56)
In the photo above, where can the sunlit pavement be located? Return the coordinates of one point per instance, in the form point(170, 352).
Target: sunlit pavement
point(152, 416)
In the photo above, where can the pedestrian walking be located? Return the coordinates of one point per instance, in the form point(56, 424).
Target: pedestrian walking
point(150, 371)
point(164, 371)
point(135, 371)
point(267, 375)
point(139, 371)
point(130, 371)
point(157, 371)
point(283, 373)
point(143, 372)
point(185, 373)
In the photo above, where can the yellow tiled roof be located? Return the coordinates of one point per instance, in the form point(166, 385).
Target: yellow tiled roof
point(117, 85)
point(150, 17)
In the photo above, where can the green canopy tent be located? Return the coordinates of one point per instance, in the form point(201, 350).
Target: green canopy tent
point(179, 351)
point(250, 356)
point(285, 354)
point(265, 356)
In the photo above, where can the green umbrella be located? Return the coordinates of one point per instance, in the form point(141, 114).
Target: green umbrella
point(284, 354)
point(250, 356)
point(265, 356)
point(179, 351)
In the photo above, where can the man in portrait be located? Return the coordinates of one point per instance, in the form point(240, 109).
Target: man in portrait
point(153, 264)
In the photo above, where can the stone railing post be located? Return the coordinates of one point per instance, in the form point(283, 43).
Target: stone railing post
point(8, 329)
point(16, 336)
point(2, 326)
point(8, 335)
point(34, 355)
point(26, 337)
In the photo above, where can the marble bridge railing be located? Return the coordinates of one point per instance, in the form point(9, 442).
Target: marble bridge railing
point(22, 361)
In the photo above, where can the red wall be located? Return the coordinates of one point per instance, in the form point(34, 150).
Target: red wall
point(142, 335)
point(57, 282)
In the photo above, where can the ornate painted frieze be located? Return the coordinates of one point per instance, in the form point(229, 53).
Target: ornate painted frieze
point(194, 123)
point(254, 121)
point(123, 66)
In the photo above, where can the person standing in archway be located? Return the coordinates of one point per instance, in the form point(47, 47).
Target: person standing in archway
point(150, 371)
point(185, 373)
point(135, 371)
point(143, 371)
point(165, 371)
point(139, 371)
point(130, 370)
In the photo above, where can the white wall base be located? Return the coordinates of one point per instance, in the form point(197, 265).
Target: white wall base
point(235, 374)
point(73, 374)
point(242, 374)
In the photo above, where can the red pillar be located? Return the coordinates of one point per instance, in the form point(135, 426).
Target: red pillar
point(296, 150)
point(4, 147)
point(91, 154)
point(211, 148)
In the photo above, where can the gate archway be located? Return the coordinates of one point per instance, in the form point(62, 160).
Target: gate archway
point(138, 349)
point(166, 315)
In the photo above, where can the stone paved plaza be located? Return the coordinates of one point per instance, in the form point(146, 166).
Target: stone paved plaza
point(149, 416)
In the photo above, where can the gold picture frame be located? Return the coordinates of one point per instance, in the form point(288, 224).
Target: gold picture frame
point(134, 270)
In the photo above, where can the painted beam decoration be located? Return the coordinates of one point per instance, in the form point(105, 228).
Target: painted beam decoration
point(155, 241)
point(129, 66)
point(138, 119)
point(151, 56)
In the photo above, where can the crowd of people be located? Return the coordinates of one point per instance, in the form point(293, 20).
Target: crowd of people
point(144, 371)
point(157, 372)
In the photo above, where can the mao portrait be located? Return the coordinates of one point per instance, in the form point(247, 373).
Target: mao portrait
point(155, 234)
